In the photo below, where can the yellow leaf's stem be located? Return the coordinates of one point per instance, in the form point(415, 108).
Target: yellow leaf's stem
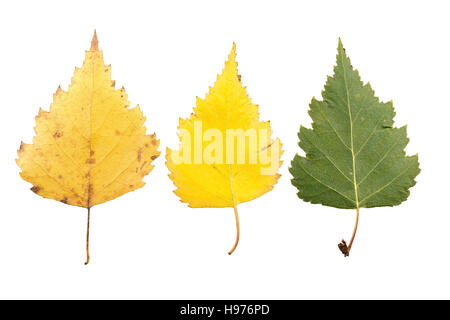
point(354, 230)
point(87, 236)
point(238, 230)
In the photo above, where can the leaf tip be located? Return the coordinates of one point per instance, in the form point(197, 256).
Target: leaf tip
point(58, 90)
point(341, 48)
point(232, 55)
point(94, 41)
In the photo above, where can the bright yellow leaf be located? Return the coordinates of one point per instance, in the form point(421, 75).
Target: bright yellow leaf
point(226, 156)
point(90, 147)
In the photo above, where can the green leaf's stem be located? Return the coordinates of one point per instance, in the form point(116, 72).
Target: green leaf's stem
point(354, 230)
point(238, 230)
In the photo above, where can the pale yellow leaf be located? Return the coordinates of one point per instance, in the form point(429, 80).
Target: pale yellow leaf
point(91, 147)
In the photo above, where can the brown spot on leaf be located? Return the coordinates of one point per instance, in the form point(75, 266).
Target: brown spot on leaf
point(143, 164)
point(64, 200)
point(267, 147)
point(90, 160)
point(57, 134)
point(91, 153)
point(131, 186)
point(59, 176)
point(154, 142)
point(146, 145)
point(106, 70)
point(239, 77)
point(21, 146)
point(139, 155)
point(117, 132)
point(35, 189)
point(154, 157)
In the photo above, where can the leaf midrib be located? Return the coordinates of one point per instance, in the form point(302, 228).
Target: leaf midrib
point(229, 165)
point(355, 185)
point(89, 196)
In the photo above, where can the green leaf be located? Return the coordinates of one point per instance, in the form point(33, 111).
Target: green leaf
point(354, 156)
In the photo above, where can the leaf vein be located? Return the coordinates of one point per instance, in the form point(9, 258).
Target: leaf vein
point(326, 185)
point(388, 184)
point(335, 131)
point(368, 138)
point(379, 161)
point(118, 143)
point(62, 150)
point(331, 161)
point(57, 182)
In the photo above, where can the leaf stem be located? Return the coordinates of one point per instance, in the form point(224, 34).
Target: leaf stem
point(237, 228)
point(87, 236)
point(354, 230)
point(343, 245)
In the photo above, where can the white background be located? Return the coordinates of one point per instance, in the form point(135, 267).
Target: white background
point(147, 244)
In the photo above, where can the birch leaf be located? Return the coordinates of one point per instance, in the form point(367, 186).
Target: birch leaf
point(210, 169)
point(355, 158)
point(91, 147)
